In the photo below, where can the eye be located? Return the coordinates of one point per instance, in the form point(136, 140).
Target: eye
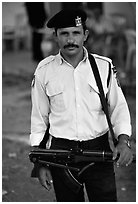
point(76, 33)
point(64, 33)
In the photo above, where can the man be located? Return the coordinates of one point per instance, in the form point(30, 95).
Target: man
point(37, 23)
point(65, 95)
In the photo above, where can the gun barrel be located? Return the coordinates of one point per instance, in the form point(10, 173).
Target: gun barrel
point(50, 151)
point(102, 154)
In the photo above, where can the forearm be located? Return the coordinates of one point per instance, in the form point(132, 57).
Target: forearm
point(119, 111)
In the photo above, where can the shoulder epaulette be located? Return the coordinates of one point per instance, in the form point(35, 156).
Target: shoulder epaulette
point(102, 58)
point(109, 75)
point(45, 61)
point(107, 60)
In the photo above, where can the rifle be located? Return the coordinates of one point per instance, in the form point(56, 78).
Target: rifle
point(65, 159)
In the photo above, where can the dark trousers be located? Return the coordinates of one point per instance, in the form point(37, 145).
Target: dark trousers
point(36, 46)
point(99, 179)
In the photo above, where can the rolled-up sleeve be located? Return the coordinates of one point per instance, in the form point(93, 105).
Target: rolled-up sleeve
point(120, 116)
point(40, 111)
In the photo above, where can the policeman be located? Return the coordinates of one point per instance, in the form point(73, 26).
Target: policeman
point(65, 95)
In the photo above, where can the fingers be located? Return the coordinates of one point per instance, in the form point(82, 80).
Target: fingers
point(45, 178)
point(46, 184)
point(130, 161)
point(125, 158)
point(115, 154)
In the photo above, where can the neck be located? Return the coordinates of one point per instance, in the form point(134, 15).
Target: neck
point(74, 59)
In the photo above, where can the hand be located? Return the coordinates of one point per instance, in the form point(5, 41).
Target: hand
point(45, 178)
point(126, 156)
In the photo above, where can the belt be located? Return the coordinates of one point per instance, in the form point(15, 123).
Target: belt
point(99, 143)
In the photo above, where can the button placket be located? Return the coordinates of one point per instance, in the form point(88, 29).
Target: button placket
point(77, 96)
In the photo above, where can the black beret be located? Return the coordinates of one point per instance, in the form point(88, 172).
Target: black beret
point(67, 18)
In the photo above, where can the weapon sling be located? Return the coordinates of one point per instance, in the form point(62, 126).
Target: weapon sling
point(102, 95)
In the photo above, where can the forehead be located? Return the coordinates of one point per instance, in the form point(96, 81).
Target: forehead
point(71, 29)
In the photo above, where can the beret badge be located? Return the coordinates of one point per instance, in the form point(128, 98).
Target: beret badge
point(78, 21)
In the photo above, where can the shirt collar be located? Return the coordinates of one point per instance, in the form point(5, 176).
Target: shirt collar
point(60, 59)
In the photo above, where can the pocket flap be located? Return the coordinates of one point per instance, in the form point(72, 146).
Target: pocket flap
point(93, 84)
point(53, 89)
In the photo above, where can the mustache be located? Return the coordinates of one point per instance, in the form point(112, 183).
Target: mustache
point(71, 45)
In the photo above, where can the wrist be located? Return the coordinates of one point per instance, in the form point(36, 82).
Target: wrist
point(124, 139)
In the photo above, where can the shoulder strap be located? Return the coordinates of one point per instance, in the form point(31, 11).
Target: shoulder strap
point(109, 74)
point(101, 95)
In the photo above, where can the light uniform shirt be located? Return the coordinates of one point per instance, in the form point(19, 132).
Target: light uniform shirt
point(68, 99)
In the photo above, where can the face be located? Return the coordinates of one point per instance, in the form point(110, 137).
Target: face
point(71, 40)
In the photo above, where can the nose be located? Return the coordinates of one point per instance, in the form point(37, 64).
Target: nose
point(70, 40)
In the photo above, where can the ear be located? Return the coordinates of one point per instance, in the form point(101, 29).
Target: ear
point(86, 34)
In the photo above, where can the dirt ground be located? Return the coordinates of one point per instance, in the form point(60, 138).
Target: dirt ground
point(17, 71)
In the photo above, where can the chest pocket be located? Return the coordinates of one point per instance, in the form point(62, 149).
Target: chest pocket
point(55, 92)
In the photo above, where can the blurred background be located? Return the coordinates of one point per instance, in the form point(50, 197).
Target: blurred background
point(26, 41)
